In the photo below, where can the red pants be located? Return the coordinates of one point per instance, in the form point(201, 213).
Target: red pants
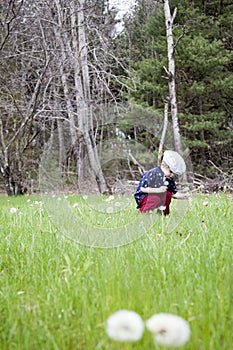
point(152, 202)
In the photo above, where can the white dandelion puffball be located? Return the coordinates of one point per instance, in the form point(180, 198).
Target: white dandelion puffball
point(125, 325)
point(169, 330)
point(109, 210)
point(109, 199)
point(13, 210)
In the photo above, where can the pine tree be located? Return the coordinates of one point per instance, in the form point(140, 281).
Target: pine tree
point(203, 53)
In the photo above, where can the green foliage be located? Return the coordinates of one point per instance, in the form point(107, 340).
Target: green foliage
point(204, 76)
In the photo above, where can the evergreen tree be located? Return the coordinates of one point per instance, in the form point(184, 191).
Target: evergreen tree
point(203, 53)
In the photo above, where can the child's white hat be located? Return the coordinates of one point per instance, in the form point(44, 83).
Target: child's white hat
point(175, 162)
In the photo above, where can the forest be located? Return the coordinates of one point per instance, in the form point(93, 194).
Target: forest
point(78, 96)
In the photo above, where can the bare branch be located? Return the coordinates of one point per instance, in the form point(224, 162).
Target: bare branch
point(9, 23)
point(134, 160)
point(174, 15)
point(31, 107)
point(165, 124)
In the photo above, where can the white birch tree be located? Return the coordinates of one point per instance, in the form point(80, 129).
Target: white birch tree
point(83, 85)
point(74, 55)
point(169, 19)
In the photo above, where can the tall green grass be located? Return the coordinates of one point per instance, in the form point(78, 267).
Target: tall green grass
point(58, 294)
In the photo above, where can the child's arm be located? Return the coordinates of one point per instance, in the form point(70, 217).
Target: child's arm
point(181, 195)
point(151, 190)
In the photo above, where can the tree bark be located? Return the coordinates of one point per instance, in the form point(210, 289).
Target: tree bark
point(85, 106)
point(171, 75)
point(162, 139)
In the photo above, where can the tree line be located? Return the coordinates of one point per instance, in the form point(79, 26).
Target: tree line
point(64, 71)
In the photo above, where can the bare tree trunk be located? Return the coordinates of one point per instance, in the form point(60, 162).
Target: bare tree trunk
point(4, 164)
point(13, 147)
point(65, 86)
point(85, 107)
point(48, 48)
point(165, 123)
point(171, 75)
point(61, 143)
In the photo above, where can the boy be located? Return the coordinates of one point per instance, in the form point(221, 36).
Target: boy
point(157, 186)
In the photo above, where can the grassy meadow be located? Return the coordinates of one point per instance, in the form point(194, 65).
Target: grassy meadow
point(56, 294)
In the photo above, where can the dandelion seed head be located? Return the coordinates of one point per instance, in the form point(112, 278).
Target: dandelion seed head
point(109, 210)
point(125, 325)
point(169, 330)
point(159, 237)
point(13, 210)
point(109, 199)
point(20, 292)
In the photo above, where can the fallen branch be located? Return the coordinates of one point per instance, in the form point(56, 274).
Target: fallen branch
point(134, 160)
